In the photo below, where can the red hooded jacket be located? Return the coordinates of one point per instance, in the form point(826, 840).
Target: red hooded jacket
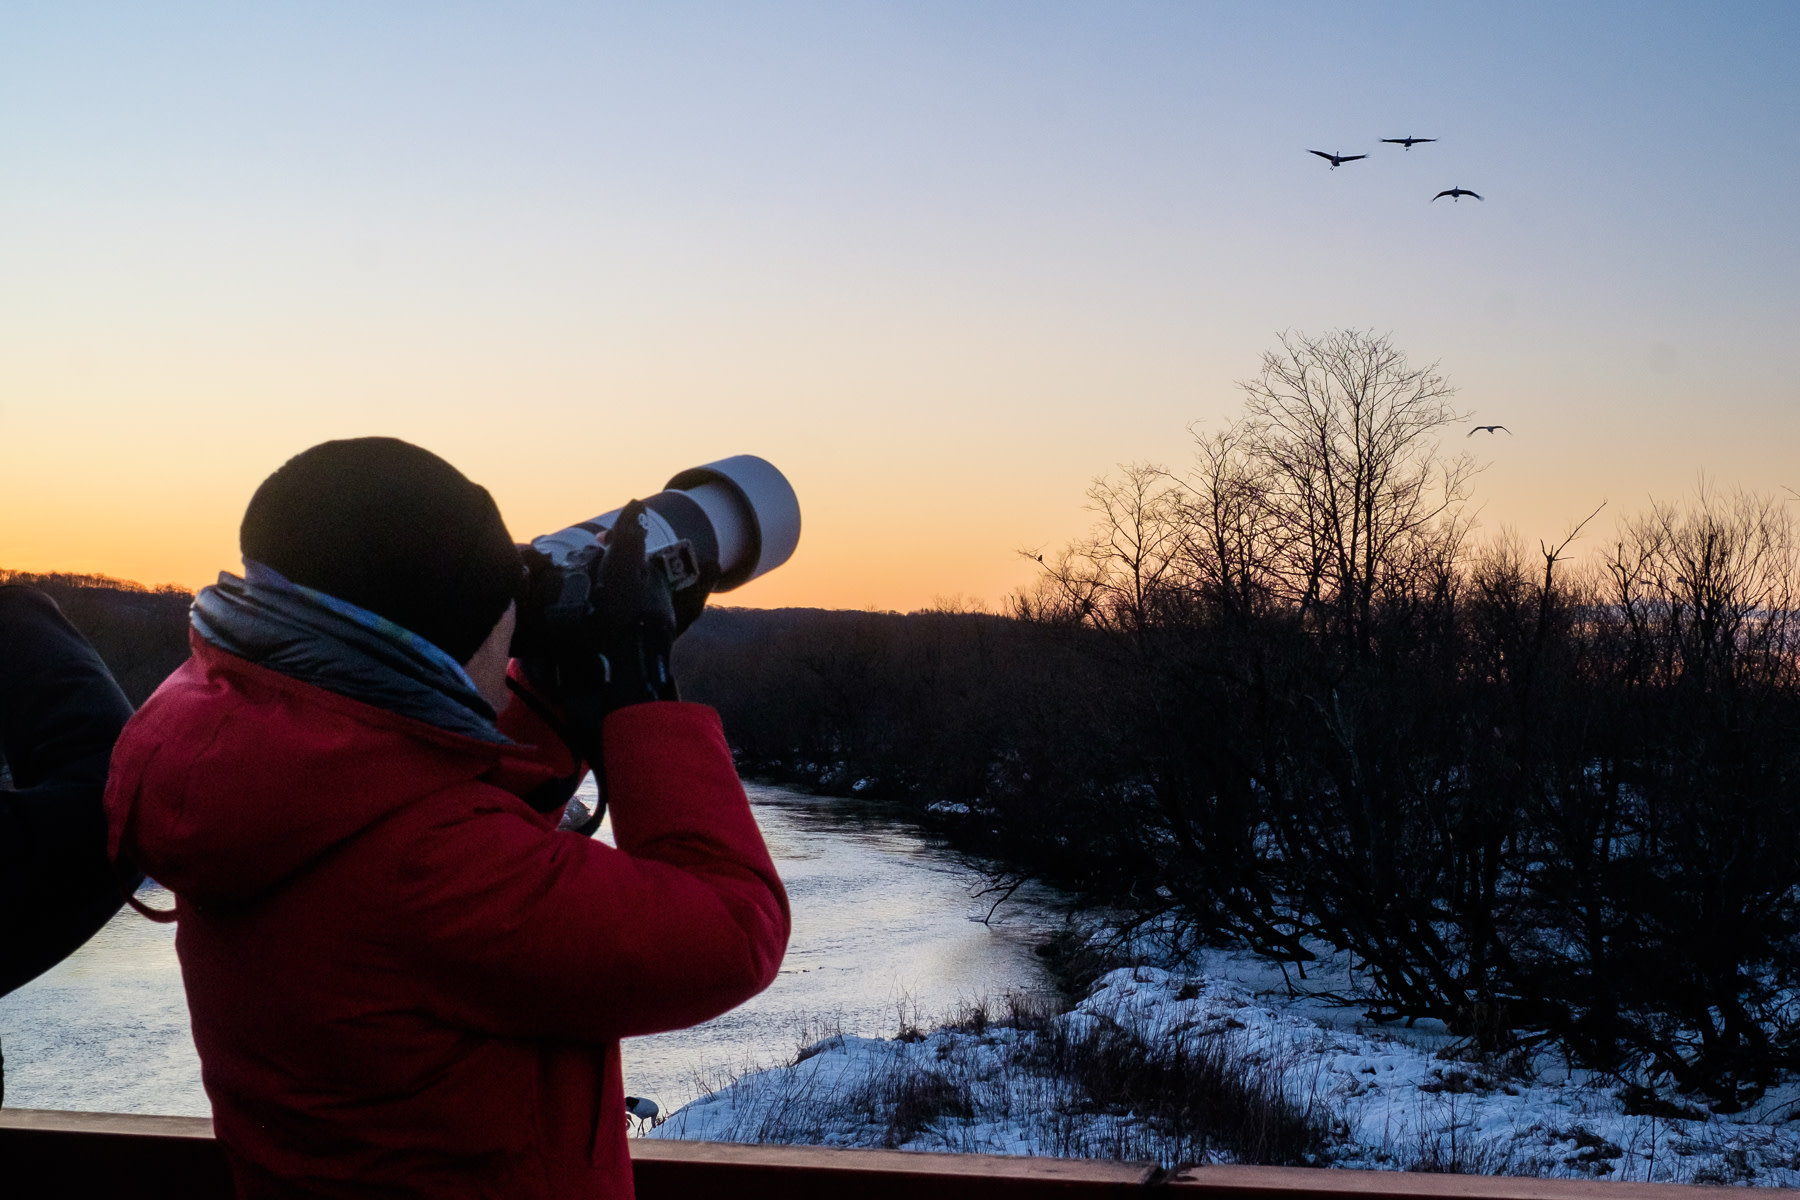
point(402, 979)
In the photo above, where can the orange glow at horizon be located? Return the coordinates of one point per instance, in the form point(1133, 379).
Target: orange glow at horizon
point(924, 524)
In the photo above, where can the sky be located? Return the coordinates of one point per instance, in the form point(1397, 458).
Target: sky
point(942, 263)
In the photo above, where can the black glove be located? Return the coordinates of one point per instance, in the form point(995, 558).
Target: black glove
point(596, 637)
point(634, 623)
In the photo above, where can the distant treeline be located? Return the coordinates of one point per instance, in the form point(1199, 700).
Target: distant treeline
point(936, 708)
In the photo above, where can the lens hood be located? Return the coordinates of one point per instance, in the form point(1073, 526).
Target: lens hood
point(754, 513)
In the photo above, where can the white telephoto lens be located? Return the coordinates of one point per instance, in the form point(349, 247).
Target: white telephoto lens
point(750, 508)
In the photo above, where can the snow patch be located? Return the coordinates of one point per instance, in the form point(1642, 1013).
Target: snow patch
point(1390, 1100)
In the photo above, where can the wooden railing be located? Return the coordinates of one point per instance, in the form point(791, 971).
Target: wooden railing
point(76, 1154)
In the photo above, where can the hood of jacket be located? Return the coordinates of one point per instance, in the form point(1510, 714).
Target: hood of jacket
point(233, 775)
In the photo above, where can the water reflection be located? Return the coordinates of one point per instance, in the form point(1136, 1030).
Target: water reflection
point(884, 930)
point(883, 922)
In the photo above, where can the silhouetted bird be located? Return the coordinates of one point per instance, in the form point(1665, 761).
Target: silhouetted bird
point(1337, 160)
point(1456, 194)
point(1408, 142)
point(1489, 429)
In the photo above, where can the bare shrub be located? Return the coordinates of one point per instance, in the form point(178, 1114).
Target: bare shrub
point(1201, 1097)
point(906, 1098)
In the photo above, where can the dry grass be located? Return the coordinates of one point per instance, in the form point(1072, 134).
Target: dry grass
point(1002, 1077)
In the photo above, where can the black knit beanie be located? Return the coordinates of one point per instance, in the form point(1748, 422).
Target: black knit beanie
point(393, 528)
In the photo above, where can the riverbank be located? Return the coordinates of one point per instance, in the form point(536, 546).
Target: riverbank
point(1211, 1063)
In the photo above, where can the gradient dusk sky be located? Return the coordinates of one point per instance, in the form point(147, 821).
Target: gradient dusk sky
point(941, 262)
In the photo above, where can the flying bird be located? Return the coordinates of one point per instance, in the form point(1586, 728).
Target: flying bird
point(1456, 194)
point(1408, 142)
point(1337, 160)
point(1489, 429)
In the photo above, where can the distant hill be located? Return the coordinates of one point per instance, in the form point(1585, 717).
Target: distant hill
point(140, 632)
point(726, 626)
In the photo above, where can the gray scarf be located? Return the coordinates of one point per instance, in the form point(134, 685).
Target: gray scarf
point(330, 643)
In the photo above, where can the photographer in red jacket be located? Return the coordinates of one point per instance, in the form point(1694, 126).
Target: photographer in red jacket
point(404, 977)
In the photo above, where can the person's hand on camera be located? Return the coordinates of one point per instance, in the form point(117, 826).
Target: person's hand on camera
point(597, 639)
point(690, 603)
point(634, 623)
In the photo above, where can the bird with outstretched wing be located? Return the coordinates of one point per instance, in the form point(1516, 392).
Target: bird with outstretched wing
point(1490, 429)
point(1408, 142)
point(1456, 194)
point(1337, 160)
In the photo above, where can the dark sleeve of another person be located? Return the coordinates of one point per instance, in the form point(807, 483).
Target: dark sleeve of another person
point(60, 713)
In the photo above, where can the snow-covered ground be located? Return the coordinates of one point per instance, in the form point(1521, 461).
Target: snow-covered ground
point(1381, 1097)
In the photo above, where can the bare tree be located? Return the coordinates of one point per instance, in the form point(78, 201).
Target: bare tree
point(1711, 586)
point(1233, 532)
point(1345, 432)
point(1116, 577)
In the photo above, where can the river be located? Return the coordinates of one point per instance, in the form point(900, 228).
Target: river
point(886, 930)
